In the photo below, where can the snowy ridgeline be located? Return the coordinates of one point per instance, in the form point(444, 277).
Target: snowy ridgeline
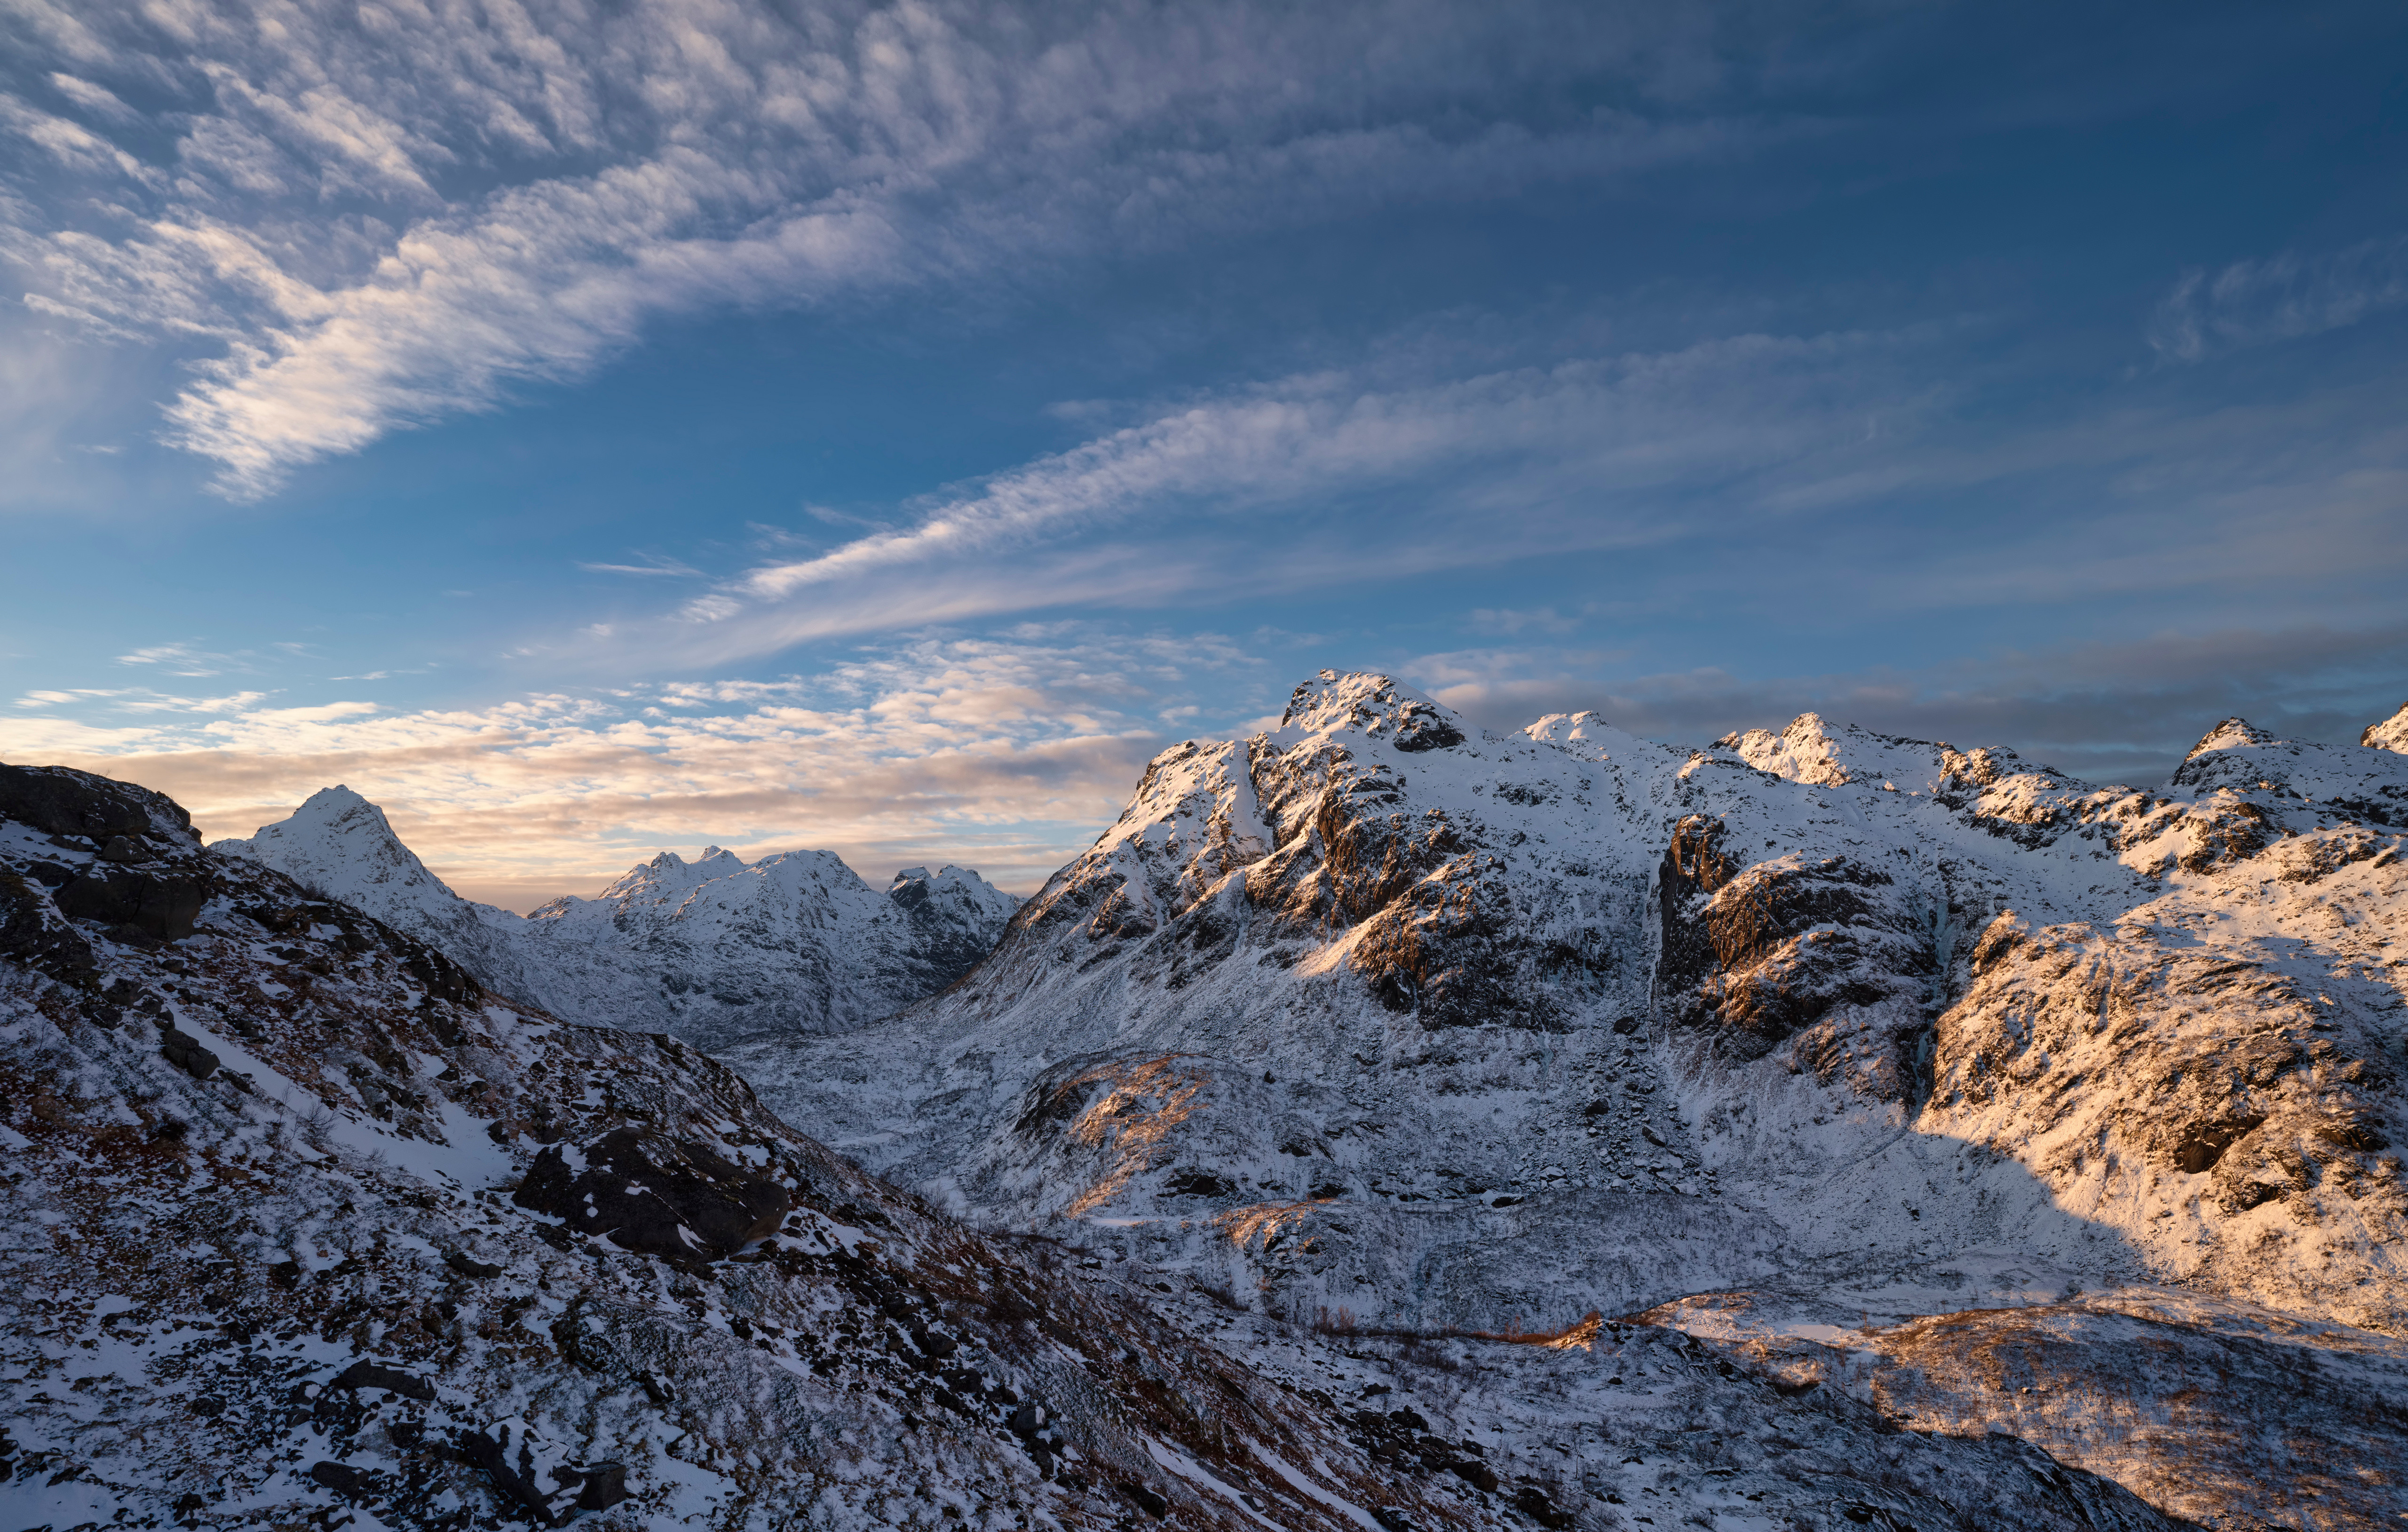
point(707, 950)
point(1418, 1127)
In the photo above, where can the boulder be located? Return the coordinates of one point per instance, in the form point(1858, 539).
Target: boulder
point(606, 1486)
point(468, 1266)
point(652, 1193)
point(360, 1375)
point(185, 1050)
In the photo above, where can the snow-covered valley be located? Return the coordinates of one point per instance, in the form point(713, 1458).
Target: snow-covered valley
point(1385, 1123)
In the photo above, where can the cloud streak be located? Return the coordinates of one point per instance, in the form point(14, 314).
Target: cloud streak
point(2281, 297)
point(1573, 455)
point(368, 225)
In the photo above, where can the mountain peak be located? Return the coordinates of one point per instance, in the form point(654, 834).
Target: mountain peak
point(2392, 734)
point(1811, 748)
point(1364, 702)
point(2234, 733)
point(1589, 736)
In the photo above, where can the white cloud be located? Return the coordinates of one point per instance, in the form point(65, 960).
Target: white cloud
point(1577, 454)
point(2282, 297)
point(658, 566)
point(528, 185)
point(1004, 754)
point(180, 660)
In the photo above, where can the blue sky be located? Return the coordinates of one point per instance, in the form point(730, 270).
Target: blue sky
point(591, 428)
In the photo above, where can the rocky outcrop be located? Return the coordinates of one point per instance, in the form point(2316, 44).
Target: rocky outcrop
point(58, 801)
point(103, 851)
point(642, 1190)
point(2392, 734)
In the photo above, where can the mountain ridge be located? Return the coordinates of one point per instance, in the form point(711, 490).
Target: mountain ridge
point(1376, 1012)
point(706, 951)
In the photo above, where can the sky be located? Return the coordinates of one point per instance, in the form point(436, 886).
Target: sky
point(590, 428)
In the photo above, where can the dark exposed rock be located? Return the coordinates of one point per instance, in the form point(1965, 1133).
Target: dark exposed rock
point(468, 1267)
point(59, 801)
point(163, 905)
point(1532, 1502)
point(364, 1374)
point(1826, 948)
point(2204, 1143)
point(1472, 1471)
point(33, 933)
point(606, 1486)
point(2225, 830)
point(1198, 1184)
point(185, 1050)
point(50, 874)
point(1147, 1500)
point(508, 1482)
point(651, 1192)
point(340, 1477)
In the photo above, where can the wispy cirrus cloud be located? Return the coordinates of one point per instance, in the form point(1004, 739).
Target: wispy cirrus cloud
point(668, 568)
point(183, 659)
point(2281, 297)
point(1573, 454)
point(367, 226)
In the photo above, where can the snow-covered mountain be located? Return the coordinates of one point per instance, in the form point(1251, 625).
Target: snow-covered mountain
point(717, 948)
point(304, 1229)
point(707, 950)
point(1379, 1014)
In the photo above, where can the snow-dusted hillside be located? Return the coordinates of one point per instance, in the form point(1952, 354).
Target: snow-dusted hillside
point(707, 950)
point(1382, 1012)
point(300, 1228)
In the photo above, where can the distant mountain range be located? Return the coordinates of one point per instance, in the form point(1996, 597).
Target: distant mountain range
point(709, 950)
point(1405, 1125)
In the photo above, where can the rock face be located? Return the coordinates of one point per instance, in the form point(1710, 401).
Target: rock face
point(1377, 1014)
point(343, 1278)
point(707, 950)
